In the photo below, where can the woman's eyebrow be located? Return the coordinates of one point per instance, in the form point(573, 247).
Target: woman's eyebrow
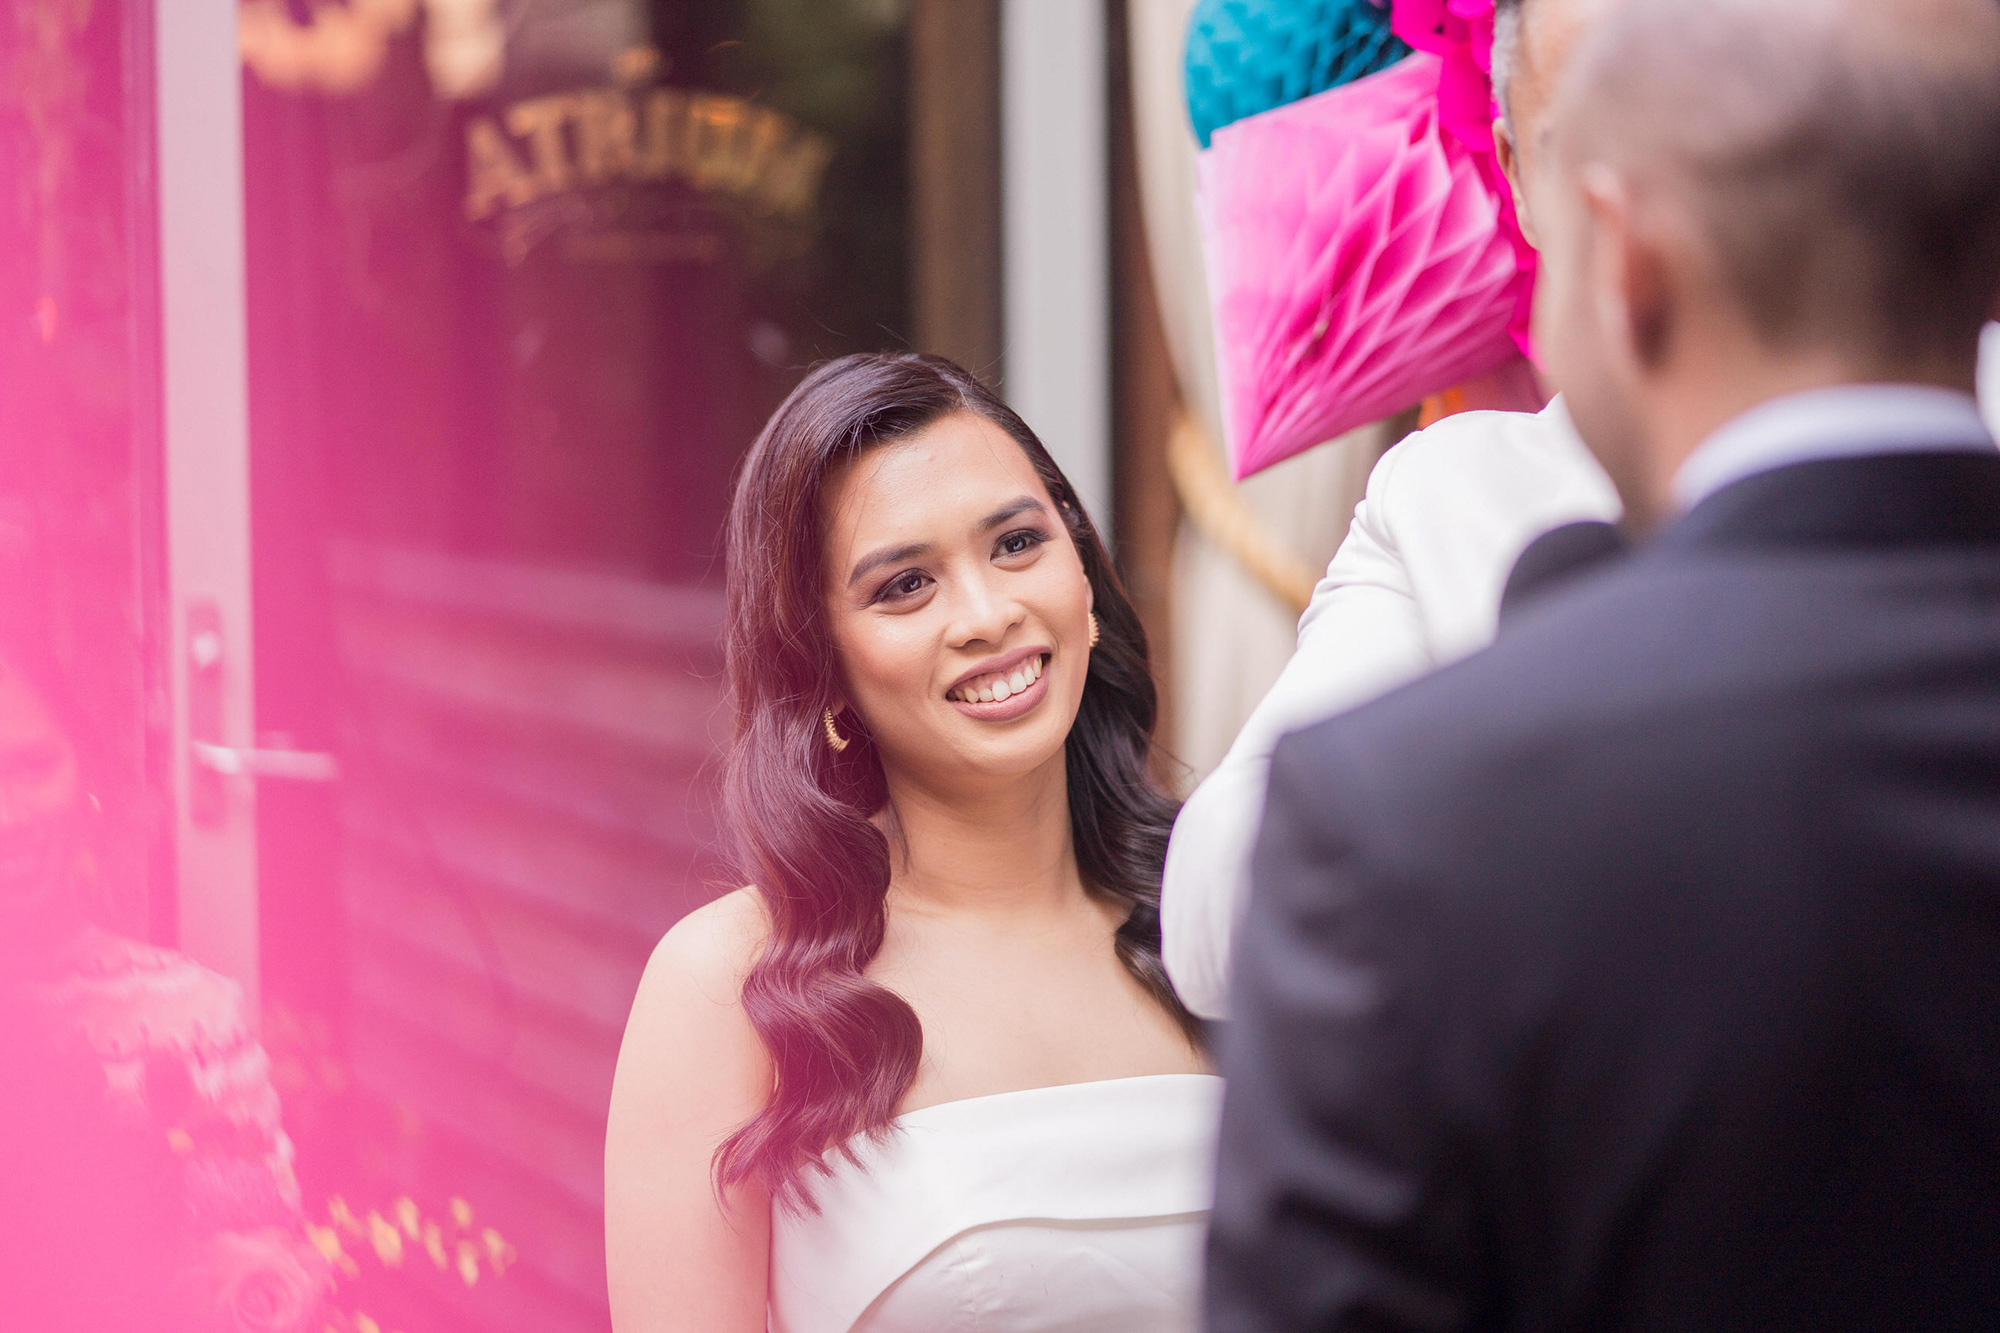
point(893, 555)
point(1013, 509)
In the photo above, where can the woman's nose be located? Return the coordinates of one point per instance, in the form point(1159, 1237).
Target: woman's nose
point(985, 612)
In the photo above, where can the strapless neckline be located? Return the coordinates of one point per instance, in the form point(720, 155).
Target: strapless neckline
point(1030, 1210)
point(1081, 1088)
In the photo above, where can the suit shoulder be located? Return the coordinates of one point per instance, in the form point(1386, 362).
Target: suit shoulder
point(1471, 444)
point(1516, 468)
point(1597, 660)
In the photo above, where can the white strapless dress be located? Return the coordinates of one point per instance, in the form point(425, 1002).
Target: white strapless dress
point(1052, 1210)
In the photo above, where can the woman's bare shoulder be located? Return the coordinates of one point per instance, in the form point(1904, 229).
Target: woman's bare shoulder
point(710, 950)
point(691, 1072)
point(689, 1040)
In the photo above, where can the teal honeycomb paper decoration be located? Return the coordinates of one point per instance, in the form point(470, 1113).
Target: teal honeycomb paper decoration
point(1246, 56)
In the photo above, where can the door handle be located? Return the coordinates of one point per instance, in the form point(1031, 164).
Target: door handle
point(286, 765)
point(210, 761)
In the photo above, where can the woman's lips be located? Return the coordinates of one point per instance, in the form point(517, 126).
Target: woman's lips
point(1016, 703)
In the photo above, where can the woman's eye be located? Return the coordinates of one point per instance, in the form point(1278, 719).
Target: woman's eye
point(904, 585)
point(1015, 543)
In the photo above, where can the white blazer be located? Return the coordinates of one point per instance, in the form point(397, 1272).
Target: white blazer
point(1416, 584)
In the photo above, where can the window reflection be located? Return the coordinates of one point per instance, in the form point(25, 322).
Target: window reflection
point(525, 277)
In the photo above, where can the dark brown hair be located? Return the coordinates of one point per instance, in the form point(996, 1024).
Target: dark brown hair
point(845, 1048)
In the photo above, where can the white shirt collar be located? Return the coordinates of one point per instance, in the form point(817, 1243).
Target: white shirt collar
point(1851, 421)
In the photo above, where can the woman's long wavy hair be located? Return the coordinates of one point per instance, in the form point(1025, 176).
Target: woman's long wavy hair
point(846, 1049)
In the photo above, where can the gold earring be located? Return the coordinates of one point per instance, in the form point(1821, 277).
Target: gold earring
point(835, 741)
point(1094, 634)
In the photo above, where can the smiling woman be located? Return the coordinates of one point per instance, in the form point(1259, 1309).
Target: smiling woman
point(994, 585)
point(938, 1015)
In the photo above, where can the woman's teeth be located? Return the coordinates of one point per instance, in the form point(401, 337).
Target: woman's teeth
point(998, 687)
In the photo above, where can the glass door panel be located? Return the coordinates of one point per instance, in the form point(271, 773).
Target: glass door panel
point(82, 634)
point(525, 276)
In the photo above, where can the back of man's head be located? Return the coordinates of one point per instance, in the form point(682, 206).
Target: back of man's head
point(1844, 156)
point(1749, 197)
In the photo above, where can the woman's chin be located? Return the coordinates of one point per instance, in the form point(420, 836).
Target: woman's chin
point(990, 751)
point(998, 765)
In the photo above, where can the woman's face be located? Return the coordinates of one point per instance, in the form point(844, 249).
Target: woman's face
point(958, 604)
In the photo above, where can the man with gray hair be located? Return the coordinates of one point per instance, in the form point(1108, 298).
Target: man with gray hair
point(1643, 971)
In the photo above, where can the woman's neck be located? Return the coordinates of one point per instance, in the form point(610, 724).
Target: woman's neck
point(1006, 848)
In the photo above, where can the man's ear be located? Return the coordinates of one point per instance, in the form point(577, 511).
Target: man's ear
point(1628, 272)
point(1509, 158)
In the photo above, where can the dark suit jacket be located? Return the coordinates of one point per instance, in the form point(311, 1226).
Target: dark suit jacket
point(1643, 972)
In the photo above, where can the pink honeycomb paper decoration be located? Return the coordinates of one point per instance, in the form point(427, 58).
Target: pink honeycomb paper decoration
point(1359, 260)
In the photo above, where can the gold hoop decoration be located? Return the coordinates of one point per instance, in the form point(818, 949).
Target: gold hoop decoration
point(1095, 634)
point(834, 740)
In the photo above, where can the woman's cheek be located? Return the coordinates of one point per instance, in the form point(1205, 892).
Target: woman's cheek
point(896, 661)
point(1056, 589)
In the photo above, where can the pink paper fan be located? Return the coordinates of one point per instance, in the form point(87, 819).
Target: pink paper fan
point(1358, 261)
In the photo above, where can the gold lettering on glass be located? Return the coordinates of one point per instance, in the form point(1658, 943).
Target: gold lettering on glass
point(720, 145)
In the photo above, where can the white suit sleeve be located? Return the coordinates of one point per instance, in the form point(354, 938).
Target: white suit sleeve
point(1360, 636)
point(1989, 376)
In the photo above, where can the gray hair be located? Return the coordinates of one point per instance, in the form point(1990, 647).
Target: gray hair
point(1506, 51)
